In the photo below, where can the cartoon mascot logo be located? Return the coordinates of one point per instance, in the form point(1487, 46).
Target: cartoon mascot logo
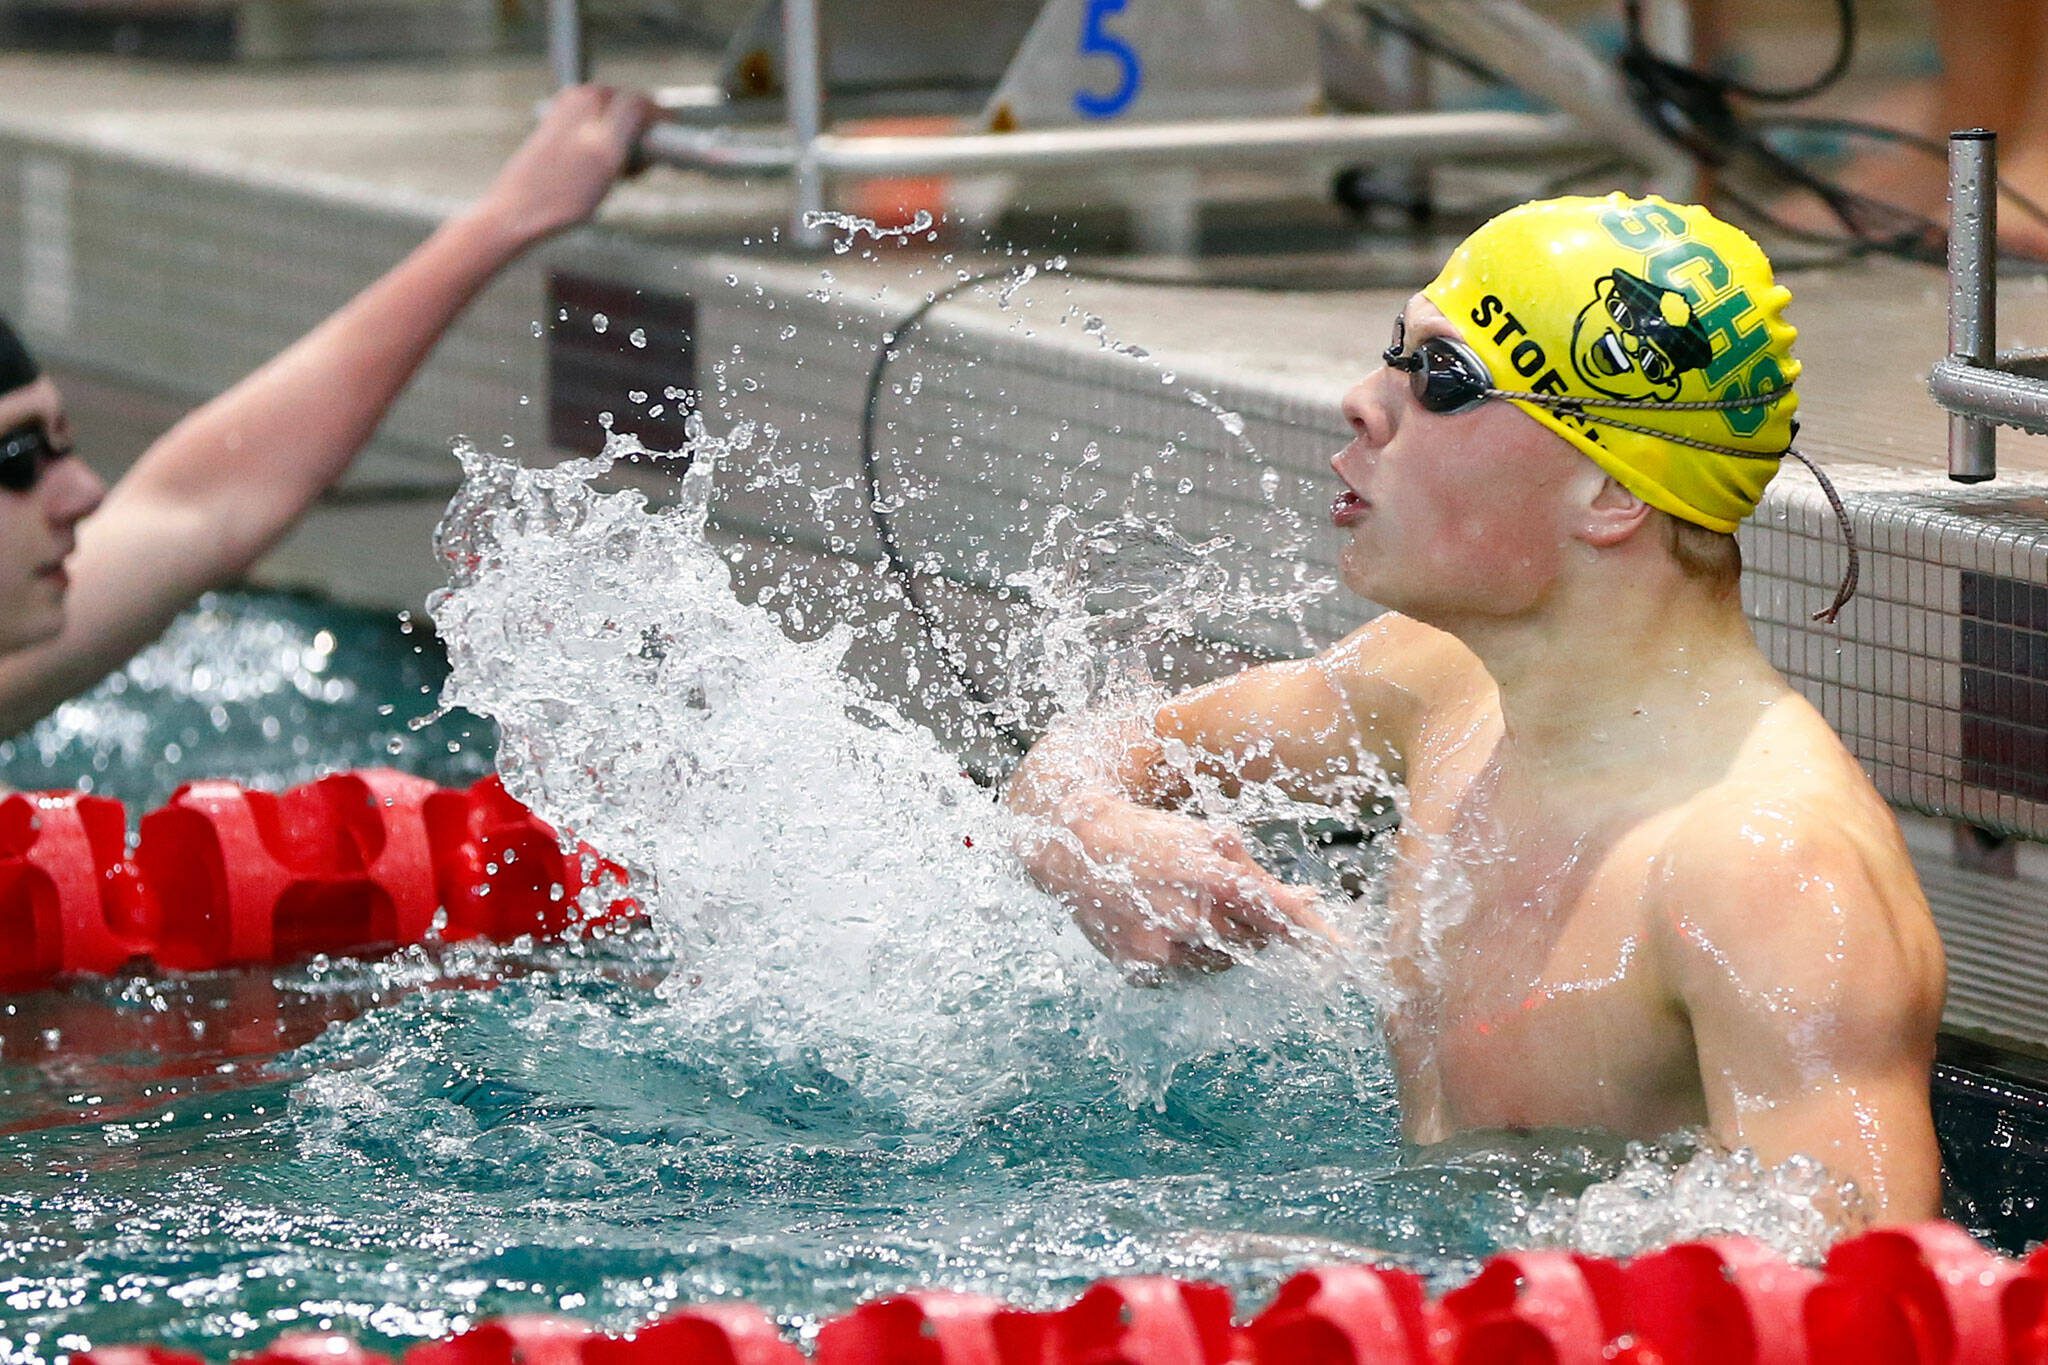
point(1635, 339)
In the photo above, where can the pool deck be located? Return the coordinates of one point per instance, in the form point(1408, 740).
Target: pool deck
point(174, 226)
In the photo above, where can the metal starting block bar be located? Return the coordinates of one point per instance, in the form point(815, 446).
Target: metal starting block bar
point(1115, 85)
point(1982, 387)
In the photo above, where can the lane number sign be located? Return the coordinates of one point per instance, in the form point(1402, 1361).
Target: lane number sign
point(1098, 41)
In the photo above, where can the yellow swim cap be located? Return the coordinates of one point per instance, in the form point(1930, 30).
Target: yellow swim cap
point(1642, 301)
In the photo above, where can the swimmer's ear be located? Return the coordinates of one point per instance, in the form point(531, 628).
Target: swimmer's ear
point(1611, 515)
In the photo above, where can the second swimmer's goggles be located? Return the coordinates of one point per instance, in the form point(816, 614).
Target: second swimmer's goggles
point(1447, 377)
point(25, 453)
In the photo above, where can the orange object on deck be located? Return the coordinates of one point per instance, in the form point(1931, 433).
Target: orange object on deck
point(893, 202)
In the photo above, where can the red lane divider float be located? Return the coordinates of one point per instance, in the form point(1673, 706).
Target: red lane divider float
point(1921, 1295)
point(69, 900)
point(355, 863)
point(1345, 1315)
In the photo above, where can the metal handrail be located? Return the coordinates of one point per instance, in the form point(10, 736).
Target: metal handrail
point(1389, 137)
point(568, 52)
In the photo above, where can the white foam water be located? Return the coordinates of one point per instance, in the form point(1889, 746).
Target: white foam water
point(1685, 1188)
point(837, 889)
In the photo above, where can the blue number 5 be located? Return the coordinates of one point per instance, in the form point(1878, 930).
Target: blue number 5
point(1094, 43)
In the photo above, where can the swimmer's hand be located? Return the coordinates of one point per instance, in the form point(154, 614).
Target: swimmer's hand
point(561, 173)
point(1166, 893)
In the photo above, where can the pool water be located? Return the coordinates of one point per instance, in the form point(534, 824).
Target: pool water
point(400, 1150)
point(270, 689)
point(399, 1147)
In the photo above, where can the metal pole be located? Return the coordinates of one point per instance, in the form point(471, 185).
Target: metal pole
point(1210, 142)
point(568, 57)
point(1388, 139)
point(803, 90)
point(1669, 31)
point(1972, 289)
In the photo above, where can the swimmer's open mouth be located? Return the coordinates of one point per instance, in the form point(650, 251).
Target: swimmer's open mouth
point(1347, 508)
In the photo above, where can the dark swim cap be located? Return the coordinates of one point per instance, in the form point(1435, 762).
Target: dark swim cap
point(17, 366)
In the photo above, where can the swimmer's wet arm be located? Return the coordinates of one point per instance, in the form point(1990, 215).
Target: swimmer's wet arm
point(1314, 728)
point(1155, 891)
point(227, 482)
point(1307, 727)
point(1814, 987)
point(1099, 793)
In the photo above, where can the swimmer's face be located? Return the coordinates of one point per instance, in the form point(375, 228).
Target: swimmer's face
point(38, 527)
point(1450, 515)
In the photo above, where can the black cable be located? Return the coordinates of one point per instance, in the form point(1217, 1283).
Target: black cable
point(1845, 54)
point(1695, 110)
point(1431, 44)
point(885, 526)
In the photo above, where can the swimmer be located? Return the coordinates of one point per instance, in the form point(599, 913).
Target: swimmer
point(89, 575)
point(1639, 885)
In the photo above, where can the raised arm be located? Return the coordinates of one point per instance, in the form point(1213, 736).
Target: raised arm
point(1158, 890)
point(227, 482)
point(1813, 977)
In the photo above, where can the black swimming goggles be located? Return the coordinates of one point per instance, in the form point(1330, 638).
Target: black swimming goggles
point(25, 453)
point(1447, 376)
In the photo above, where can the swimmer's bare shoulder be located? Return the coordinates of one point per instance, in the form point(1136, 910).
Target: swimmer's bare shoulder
point(1790, 929)
point(1307, 722)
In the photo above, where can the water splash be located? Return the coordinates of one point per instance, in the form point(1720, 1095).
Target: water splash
point(1686, 1187)
point(835, 888)
point(853, 227)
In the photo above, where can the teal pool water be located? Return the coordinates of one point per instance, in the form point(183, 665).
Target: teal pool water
point(404, 1150)
point(852, 1075)
point(266, 688)
point(398, 1148)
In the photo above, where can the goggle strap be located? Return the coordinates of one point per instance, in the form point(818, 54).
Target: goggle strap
point(1576, 404)
point(1847, 589)
point(1552, 400)
point(1850, 576)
